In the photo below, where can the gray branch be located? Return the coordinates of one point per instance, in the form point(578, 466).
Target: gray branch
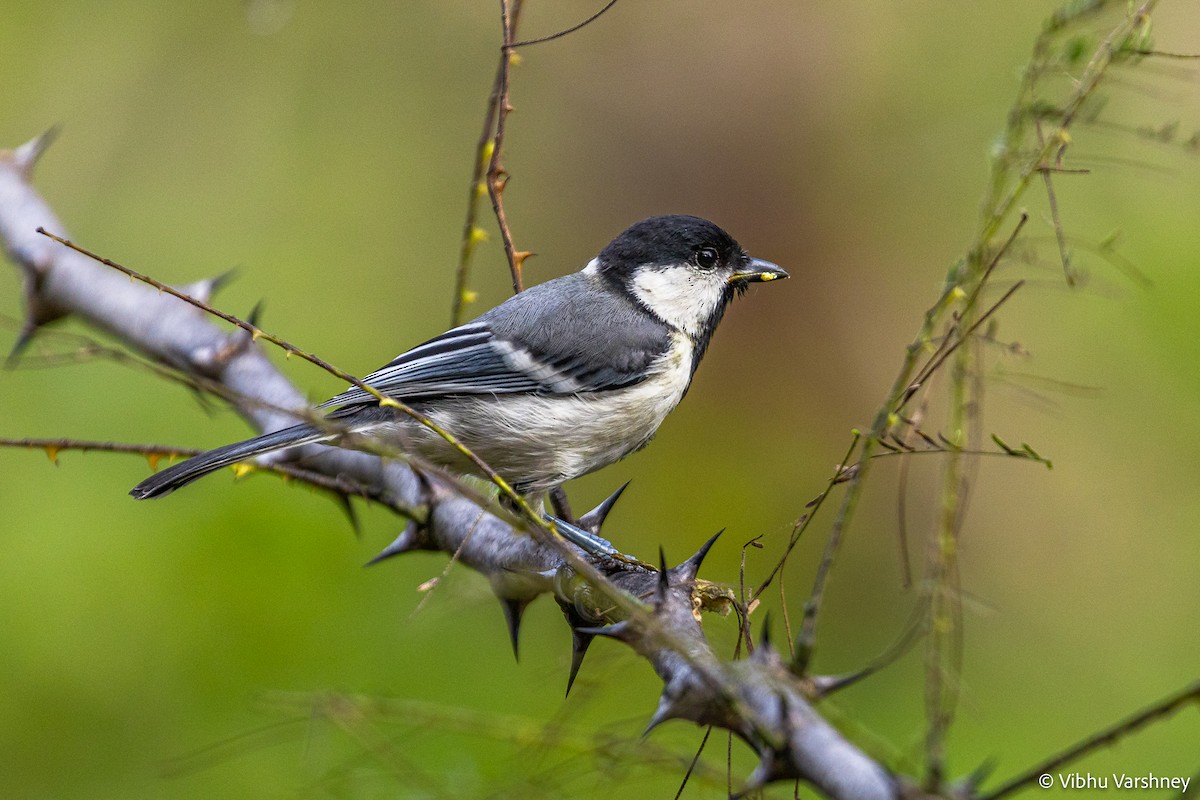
point(757, 698)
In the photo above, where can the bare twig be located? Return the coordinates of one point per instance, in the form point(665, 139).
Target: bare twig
point(1164, 54)
point(154, 453)
point(472, 233)
point(1052, 200)
point(497, 176)
point(567, 31)
point(699, 749)
point(957, 336)
point(1104, 738)
point(531, 516)
point(814, 506)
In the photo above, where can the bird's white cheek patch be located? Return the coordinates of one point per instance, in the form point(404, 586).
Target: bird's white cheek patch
point(681, 296)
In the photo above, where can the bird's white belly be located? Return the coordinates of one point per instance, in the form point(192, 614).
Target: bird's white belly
point(538, 442)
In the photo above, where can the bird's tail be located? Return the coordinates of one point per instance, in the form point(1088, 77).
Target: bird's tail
point(185, 472)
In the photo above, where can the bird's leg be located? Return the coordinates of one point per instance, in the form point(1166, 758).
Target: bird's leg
point(583, 533)
point(567, 527)
point(560, 504)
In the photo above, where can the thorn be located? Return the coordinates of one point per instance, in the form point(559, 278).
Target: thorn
point(519, 256)
point(763, 774)
point(664, 575)
point(404, 543)
point(968, 784)
point(766, 654)
point(593, 520)
point(825, 685)
point(803, 656)
point(580, 641)
point(664, 712)
point(773, 765)
point(217, 282)
point(688, 569)
point(255, 314)
point(618, 630)
point(28, 330)
point(513, 610)
point(27, 155)
point(204, 290)
point(343, 501)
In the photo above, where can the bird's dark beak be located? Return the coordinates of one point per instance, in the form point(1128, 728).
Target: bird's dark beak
point(756, 271)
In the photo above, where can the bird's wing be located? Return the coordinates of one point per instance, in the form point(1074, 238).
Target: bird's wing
point(473, 359)
point(532, 343)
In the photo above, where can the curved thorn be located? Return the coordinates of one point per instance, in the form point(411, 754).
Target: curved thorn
point(691, 567)
point(664, 574)
point(27, 155)
point(661, 715)
point(343, 502)
point(405, 542)
point(618, 630)
point(593, 520)
point(580, 642)
point(28, 330)
point(513, 610)
point(256, 313)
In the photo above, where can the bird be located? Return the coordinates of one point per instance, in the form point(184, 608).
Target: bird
point(556, 382)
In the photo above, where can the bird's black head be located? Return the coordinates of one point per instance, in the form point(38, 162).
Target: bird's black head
point(671, 240)
point(682, 269)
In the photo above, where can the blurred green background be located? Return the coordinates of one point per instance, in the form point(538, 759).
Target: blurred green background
point(324, 150)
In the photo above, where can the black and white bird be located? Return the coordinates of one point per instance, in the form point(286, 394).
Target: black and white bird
point(558, 381)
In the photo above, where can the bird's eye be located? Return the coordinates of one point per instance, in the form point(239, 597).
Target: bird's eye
point(706, 257)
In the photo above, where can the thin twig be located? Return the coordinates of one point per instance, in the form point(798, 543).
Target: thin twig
point(472, 234)
point(154, 453)
point(1164, 54)
point(802, 525)
point(812, 608)
point(1103, 738)
point(909, 634)
point(934, 364)
point(567, 31)
point(384, 401)
point(1052, 200)
point(699, 750)
point(902, 523)
point(955, 337)
point(497, 177)
point(942, 450)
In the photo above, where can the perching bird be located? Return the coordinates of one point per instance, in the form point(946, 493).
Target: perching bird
point(558, 381)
